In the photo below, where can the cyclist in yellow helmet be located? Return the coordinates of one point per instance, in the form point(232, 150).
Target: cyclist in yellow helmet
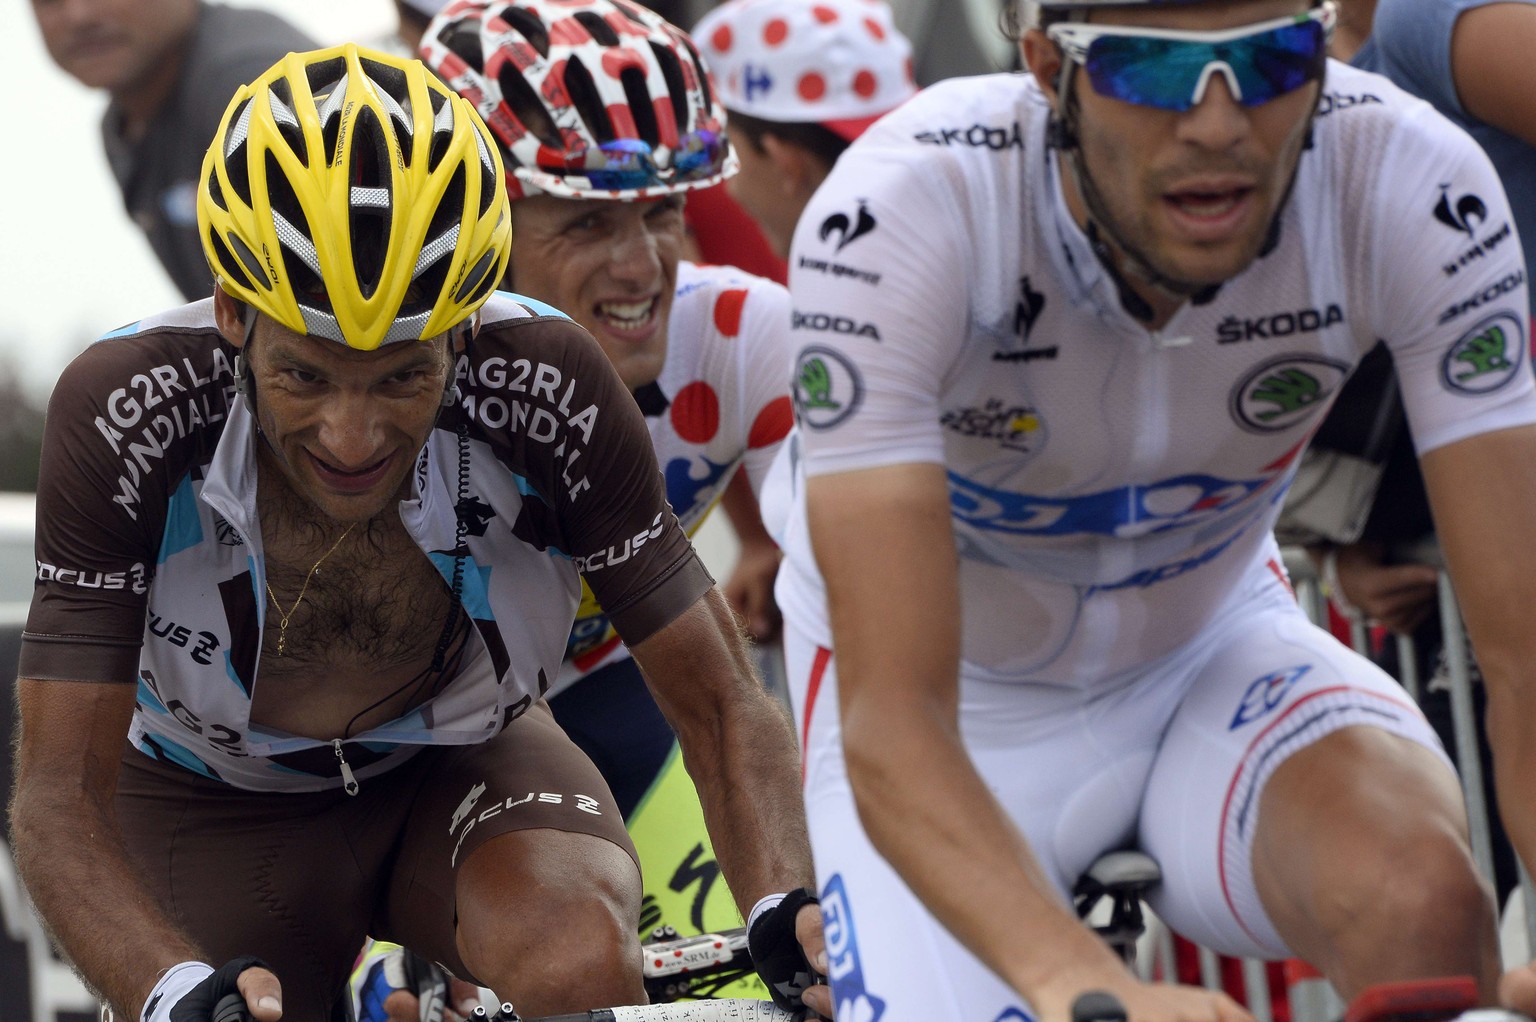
point(313, 546)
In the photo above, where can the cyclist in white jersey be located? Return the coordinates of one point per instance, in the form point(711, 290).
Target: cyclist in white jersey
point(308, 556)
point(1061, 338)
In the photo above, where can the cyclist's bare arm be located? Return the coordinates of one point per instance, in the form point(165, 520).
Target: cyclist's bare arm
point(886, 549)
point(69, 849)
point(1483, 492)
point(739, 747)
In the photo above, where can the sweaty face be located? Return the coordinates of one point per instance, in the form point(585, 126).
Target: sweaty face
point(113, 44)
point(344, 427)
point(609, 265)
point(1193, 192)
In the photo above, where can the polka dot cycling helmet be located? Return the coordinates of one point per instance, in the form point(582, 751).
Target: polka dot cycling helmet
point(588, 98)
point(349, 195)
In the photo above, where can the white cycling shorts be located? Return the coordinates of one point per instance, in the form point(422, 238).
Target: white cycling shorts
point(1171, 759)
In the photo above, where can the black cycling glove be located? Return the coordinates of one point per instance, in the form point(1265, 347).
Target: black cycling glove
point(776, 953)
point(205, 1001)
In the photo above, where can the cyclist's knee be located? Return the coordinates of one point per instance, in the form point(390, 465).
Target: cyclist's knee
point(1416, 908)
point(555, 935)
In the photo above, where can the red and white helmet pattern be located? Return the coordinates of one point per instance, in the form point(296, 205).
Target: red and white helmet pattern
point(588, 98)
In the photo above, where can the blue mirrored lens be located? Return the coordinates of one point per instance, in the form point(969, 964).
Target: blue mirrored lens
point(1164, 73)
point(630, 163)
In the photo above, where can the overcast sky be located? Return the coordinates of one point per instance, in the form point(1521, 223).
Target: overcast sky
point(72, 264)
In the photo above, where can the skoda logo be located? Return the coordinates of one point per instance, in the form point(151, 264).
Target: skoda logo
point(1284, 391)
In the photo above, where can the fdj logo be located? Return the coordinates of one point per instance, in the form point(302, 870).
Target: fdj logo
point(1284, 391)
point(1486, 357)
point(854, 1002)
point(827, 387)
point(1265, 694)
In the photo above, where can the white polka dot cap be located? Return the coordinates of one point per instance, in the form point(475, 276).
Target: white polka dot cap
point(838, 63)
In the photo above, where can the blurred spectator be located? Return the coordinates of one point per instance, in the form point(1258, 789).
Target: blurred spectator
point(169, 67)
point(415, 16)
point(801, 81)
point(955, 37)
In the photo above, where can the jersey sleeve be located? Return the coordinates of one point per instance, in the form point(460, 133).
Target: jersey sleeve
point(765, 370)
point(1450, 279)
point(583, 445)
point(99, 522)
point(878, 276)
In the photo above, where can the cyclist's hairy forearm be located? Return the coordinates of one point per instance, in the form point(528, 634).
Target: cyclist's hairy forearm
point(70, 854)
point(739, 747)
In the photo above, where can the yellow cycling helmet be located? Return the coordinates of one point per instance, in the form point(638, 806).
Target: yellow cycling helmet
point(350, 195)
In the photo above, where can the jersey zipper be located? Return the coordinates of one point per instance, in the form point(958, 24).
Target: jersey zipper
point(349, 782)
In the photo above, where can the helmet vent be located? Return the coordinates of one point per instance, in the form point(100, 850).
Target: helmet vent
point(597, 28)
point(288, 219)
point(490, 180)
point(633, 15)
point(216, 192)
point(475, 279)
point(324, 75)
point(389, 81)
point(280, 103)
point(369, 200)
point(236, 154)
point(228, 264)
point(699, 73)
point(640, 106)
point(431, 271)
point(462, 39)
point(442, 133)
point(527, 24)
point(587, 101)
point(527, 108)
point(677, 87)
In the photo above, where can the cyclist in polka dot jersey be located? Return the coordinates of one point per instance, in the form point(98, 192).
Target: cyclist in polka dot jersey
point(598, 233)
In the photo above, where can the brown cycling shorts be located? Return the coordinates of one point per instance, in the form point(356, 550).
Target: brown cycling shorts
point(299, 879)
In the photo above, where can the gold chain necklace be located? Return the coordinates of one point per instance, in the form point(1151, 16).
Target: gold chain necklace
point(284, 618)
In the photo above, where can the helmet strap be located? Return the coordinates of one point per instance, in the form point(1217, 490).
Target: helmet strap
point(243, 384)
point(1063, 135)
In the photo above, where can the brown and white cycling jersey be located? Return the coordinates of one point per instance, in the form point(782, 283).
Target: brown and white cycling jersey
point(150, 563)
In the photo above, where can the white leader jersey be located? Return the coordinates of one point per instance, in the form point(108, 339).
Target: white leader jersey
point(1111, 487)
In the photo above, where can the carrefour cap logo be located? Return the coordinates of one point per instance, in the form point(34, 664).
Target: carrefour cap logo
point(1284, 391)
point(1487, 356)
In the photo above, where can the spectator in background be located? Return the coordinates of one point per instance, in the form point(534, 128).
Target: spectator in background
point(169, 67)
point(801, 81)
point(414, 17)
point(1468, 58)
point(955, 37)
